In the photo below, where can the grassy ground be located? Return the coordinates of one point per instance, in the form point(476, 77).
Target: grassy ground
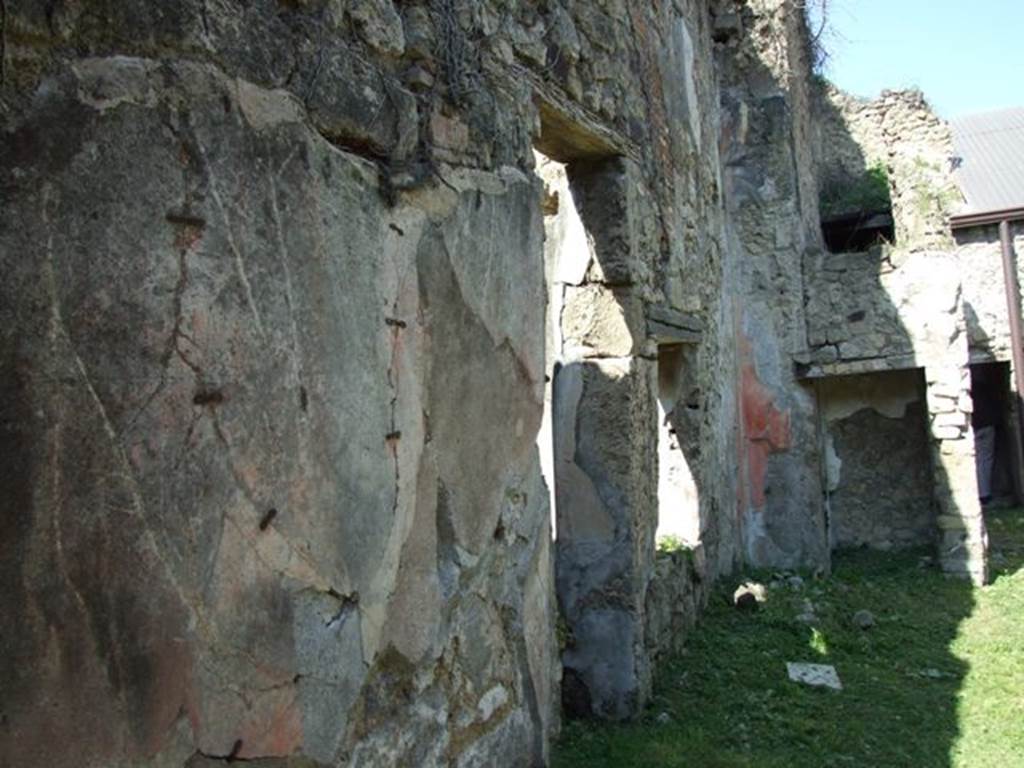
point(938, 682)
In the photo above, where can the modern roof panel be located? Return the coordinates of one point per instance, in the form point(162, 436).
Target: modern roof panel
point(990, 146)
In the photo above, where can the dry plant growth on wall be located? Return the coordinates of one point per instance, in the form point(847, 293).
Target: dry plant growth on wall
point(817, 15)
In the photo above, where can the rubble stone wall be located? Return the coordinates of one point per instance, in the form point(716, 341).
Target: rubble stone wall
point(979, 252)
point(879, 479)
point(769, 182)
point(679, 592)
point(906, 305)
point(273, 320)
point(899, 132)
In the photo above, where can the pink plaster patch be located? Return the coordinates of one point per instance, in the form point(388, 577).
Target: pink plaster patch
point(765, 428)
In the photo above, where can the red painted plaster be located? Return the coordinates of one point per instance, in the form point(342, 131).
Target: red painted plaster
point(764, 427)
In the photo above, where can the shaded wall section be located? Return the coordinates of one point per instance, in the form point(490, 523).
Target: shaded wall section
point(878, 473)
point(979, 253)
point(908, 305)
point(769, 190)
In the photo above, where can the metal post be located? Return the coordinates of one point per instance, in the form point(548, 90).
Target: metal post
point(1016, 340)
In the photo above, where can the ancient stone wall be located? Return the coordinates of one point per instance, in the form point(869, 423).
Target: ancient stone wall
point(979, 253)
point(879, 480)
point(904, 305)
point(275, 334)
point(881, 309)
point(308, 306)
point(900, 133)
point(679, 592)
point(630, 238)
point(247, 522)
point(769, 182)
point(883, 303)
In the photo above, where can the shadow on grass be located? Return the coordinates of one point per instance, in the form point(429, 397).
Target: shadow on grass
point(728, 701)
point(1006, 541)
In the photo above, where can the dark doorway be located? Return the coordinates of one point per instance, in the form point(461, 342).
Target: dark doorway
point(859, 231)
point(993, 433)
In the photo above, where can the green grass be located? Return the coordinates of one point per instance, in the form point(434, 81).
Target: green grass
point(938, 682)
point(670, 543)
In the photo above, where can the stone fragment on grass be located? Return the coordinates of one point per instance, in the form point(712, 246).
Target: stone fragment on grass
point(817, 675)
point(745, 601)
point(748, 595)
point(807, 615)
point(864, 619)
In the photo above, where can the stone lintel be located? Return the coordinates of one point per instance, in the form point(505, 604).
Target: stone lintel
point(667, 316)
point(668, 334)
point(670, 326)
point(569, 132)
point(851, 367)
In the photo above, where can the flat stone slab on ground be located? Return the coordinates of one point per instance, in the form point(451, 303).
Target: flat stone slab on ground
point(821, 675)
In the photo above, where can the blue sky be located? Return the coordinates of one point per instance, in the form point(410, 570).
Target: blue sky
point(966, 55)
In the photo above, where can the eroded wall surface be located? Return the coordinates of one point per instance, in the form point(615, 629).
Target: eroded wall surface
point(274, 352)
point(979, 252)
point(254, 513)
point(271, 392)
point(770, 190)
point(878, 473)
point(906, 305)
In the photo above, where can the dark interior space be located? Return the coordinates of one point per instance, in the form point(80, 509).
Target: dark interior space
point(857, 232)
point(991, 420)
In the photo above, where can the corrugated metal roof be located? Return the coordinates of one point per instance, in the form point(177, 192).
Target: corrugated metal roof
point(990, 146)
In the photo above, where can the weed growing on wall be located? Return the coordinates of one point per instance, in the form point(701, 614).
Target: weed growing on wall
point(866, 193)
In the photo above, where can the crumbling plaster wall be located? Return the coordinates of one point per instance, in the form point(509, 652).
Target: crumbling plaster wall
point(979, 253)
point(905, 305)
point(899, 132)
point(273, 323)
point(244, 520)
point(878, 474)
point(768, 176)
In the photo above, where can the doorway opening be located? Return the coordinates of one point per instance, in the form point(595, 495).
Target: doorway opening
point(566, 258)
point(678, 499)
point(994, 435)
point(597, 440)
